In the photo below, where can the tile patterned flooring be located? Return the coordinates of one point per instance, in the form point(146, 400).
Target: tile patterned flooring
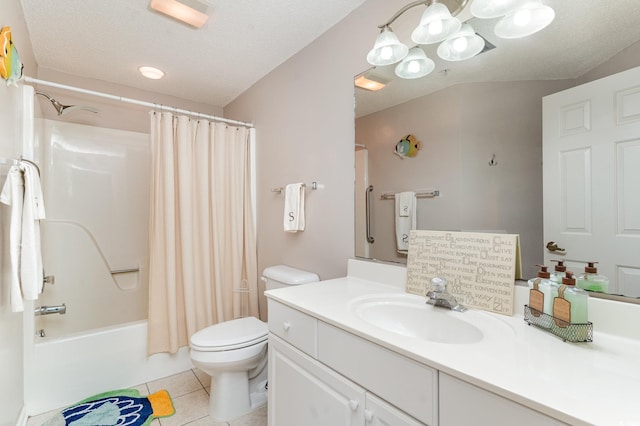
point(190, 394)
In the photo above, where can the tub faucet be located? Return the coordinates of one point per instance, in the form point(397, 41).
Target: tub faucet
point(439, 296)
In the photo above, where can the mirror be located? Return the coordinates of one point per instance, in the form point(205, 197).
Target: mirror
point(479, 123)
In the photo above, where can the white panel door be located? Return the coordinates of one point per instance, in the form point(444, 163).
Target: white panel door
point(591, 156)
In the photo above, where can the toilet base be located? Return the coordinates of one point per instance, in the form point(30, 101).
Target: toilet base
point(239, 396)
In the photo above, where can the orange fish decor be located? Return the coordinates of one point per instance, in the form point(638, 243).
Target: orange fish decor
point(10, 64)
point(408, 147)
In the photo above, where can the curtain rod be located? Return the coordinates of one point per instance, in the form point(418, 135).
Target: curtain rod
point(136, 102)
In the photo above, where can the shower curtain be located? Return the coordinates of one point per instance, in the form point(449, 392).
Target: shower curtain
point(202, 260)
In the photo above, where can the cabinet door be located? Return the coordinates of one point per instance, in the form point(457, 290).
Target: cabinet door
point(380, 413)
point(303, 392)
point(464, 404)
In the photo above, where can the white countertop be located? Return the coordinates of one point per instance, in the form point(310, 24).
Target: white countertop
point(577, 383)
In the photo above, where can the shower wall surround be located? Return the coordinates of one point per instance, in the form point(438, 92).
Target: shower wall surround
point(96, 189)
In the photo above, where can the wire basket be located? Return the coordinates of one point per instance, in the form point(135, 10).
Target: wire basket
point(572, 332)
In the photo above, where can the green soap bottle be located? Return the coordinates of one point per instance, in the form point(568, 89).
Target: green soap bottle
point(559, 271)
point(578, 298)
point(591, 280)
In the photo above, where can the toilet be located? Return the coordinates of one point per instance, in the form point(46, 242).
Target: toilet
point(234, 354)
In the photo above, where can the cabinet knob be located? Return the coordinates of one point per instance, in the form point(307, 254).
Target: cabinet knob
point(286, 325)
point(353, 404)
point(368, 416)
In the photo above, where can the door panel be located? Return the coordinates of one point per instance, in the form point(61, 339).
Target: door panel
point(591, 156)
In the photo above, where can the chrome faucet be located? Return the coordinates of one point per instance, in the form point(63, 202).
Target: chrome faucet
point(439, 296)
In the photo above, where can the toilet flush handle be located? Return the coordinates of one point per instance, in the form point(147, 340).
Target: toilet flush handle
point(286, 325)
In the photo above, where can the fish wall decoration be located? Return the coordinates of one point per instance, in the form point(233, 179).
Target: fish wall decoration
point(408, 147)
point(10, 65)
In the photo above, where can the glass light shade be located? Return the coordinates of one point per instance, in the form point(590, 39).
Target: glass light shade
point(463, 45)
point(415, 64)
point(530, 18)
point(387, 49)
point(152, 73)
point(436, 25)
point(487, 9)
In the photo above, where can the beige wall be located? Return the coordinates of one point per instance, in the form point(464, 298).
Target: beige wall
point(460, 129)
point(303, 112)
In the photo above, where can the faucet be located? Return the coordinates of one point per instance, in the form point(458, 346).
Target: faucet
point(439, 296)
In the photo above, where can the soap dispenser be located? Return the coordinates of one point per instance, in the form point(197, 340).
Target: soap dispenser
point(578, 301)
point(558, 272)
point(548, 290)
point(591, 280)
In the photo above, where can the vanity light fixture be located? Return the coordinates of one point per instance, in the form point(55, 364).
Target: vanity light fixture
point(530, 17)
point(458, 42)
point(463, 45)
point(151, 72)
point(415, 65)
point(180, 11)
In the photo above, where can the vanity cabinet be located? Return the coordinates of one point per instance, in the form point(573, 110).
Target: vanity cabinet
point(304, 392)
point(307, 390)
point(462, 403)
point(321, 375)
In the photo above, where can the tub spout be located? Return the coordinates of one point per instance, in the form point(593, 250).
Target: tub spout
point(48, 310)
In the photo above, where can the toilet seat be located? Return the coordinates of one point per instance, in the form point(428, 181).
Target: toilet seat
point(235, 334)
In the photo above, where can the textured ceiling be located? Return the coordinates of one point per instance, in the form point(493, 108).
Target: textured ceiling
point(245, 39)
point(242, 41)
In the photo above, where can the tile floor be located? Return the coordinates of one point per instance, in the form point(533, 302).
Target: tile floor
point(190, 394)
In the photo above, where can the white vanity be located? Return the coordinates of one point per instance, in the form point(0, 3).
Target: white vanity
point(348, 352)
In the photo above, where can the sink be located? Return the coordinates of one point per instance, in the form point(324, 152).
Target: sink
point(408, 315)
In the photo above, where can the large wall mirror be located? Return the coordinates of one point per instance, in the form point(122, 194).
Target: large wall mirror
point(479, 123)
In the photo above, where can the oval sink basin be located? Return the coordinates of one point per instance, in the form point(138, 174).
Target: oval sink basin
point(410, 316)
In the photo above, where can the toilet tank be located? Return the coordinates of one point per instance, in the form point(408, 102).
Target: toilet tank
point(281, 275)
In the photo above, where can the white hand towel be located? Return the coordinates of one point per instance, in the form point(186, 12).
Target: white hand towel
point(294, 207)
point(406, 203)
point(405, 223)
point(13, 195)
point(31, 274)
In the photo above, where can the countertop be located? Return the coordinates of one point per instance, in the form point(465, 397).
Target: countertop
point(577, 383)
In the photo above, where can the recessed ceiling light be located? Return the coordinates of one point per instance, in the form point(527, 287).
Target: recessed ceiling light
point(151, 72)
point(369, 82)
point(180, 11)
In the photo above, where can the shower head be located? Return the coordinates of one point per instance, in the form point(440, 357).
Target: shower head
point(63, 109)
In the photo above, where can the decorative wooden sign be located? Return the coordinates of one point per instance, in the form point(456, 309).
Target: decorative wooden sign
point(480, 268)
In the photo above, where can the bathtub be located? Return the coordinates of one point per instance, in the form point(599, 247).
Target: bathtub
point(94, 242)
point(64, 370)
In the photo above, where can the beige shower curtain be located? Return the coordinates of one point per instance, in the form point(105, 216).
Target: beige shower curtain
point(202, 260)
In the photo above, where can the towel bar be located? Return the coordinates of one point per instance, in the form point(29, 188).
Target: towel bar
point(314, 185)
point(426, 194)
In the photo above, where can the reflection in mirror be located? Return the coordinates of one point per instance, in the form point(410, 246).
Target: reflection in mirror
point(479, 123)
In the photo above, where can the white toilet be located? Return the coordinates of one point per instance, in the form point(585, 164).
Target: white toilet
point(234, 354)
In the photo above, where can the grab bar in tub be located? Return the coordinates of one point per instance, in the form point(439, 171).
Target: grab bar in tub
point(124, 271)
point(48, 310)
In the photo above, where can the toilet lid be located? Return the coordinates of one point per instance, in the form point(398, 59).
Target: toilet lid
point(234, 334)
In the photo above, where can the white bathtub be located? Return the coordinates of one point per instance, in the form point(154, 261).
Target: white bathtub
point(62, 371)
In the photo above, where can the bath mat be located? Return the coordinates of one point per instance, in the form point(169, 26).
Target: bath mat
point(125, 407)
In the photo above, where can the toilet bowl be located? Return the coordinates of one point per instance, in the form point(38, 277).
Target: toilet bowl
point(234, 354)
